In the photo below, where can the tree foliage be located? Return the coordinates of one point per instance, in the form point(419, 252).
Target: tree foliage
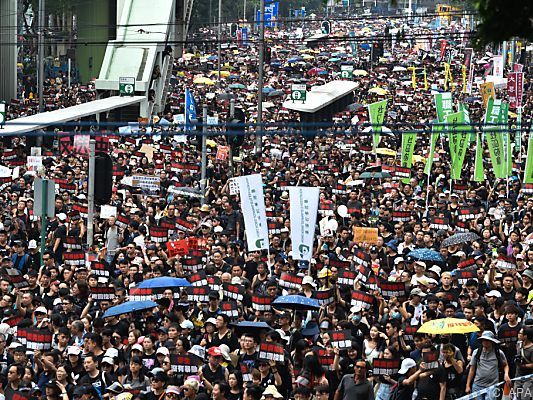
point(503, 20)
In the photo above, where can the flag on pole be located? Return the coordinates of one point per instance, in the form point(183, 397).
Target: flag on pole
point(459, 139)
point(376, 111)
point(190, 111)
point(435, 132)
point(303, 211)
point(506, 138)
point(494, 137)
point(479, 172)
point(254, 212)
point(444, 105)
point(528, 173)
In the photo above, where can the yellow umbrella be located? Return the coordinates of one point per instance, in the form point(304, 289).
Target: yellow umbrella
point(203, 81)
point(378, 91)
point(308, 57)
point(210, 143)
point(360, 72)
point(512, 114)
point(385, 151)
point(445, 326)
point(223, 74)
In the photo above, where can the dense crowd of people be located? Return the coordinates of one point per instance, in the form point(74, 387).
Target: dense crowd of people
point(217, 335)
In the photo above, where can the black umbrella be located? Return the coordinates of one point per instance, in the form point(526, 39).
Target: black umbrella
point(459, 238)
point(276, 93)
point(225, 96)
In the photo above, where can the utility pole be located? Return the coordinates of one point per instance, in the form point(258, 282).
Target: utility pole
point(230, 152)
point(219, 39)
point(40, 62)
point(90, 194)
point(204, 153)
point(259, 126)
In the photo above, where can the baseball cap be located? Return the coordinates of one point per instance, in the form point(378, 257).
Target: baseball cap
point(214, 351)
point(62, 216)
point(162, 350)
point(108, 360)
point(407, 364)
point(417, 292)
point(494, 293)
point(32, 244)
point(187, 324)
point(41, 310)
point(137, 346)
point(172, 390)
point(73, 351)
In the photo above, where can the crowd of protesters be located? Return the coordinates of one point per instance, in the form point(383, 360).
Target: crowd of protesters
point(141, 354)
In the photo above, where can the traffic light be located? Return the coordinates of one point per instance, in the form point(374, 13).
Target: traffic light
point(103, 178)
point(325, 27)
point(268, 55)
point(236, 136)
point(377, 50)
point(233, 30)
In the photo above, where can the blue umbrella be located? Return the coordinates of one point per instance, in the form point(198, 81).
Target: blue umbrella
point(426, 255)
point(212, 58)
point(334, 59)
point(129, 307)
point(296, 302)
point(163, 282)
point(323, 72)
point(248, 326)
point(268, 90)
point(365, 46)
point(275, 63)
point(294, 59)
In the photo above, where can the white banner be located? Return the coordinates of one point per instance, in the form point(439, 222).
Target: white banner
point(497, 66)
point(253, 210)
point(304, 207)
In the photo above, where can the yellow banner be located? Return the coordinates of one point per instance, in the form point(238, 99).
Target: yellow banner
point(487, 91)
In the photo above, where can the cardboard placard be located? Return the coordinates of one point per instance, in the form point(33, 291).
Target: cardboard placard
point(365, 235)
point(341, 339)
point(269, 351)
point(385, 366)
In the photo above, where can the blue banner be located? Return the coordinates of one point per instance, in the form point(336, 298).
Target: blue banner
point(190, 111)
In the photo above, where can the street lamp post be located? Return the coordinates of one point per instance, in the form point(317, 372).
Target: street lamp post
point(259, 126)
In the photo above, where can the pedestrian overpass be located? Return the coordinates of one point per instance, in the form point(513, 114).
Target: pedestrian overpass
point(144, 32)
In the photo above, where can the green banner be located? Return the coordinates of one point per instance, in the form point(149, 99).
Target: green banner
point(494, 137)
point(435, 132)
point(528, 173)
point(376, 111)
point(408, 147)
point(506, 138)
point(459, 134)
point(479, 171)
point(444, 105)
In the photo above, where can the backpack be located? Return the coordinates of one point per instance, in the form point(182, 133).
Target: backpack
point(498, 358)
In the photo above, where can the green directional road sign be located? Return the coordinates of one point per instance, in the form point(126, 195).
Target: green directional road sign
point(347, 71)
point(298, 92)
point(126, 86)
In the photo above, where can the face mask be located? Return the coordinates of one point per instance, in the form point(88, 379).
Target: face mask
point(356, 318)
point(396, 315)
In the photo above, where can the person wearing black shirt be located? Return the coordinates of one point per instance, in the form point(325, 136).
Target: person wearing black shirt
point(213, 372)
point(224, 335)
point(431, 382)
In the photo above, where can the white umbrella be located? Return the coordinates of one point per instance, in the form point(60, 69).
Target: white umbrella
point(399, 68)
